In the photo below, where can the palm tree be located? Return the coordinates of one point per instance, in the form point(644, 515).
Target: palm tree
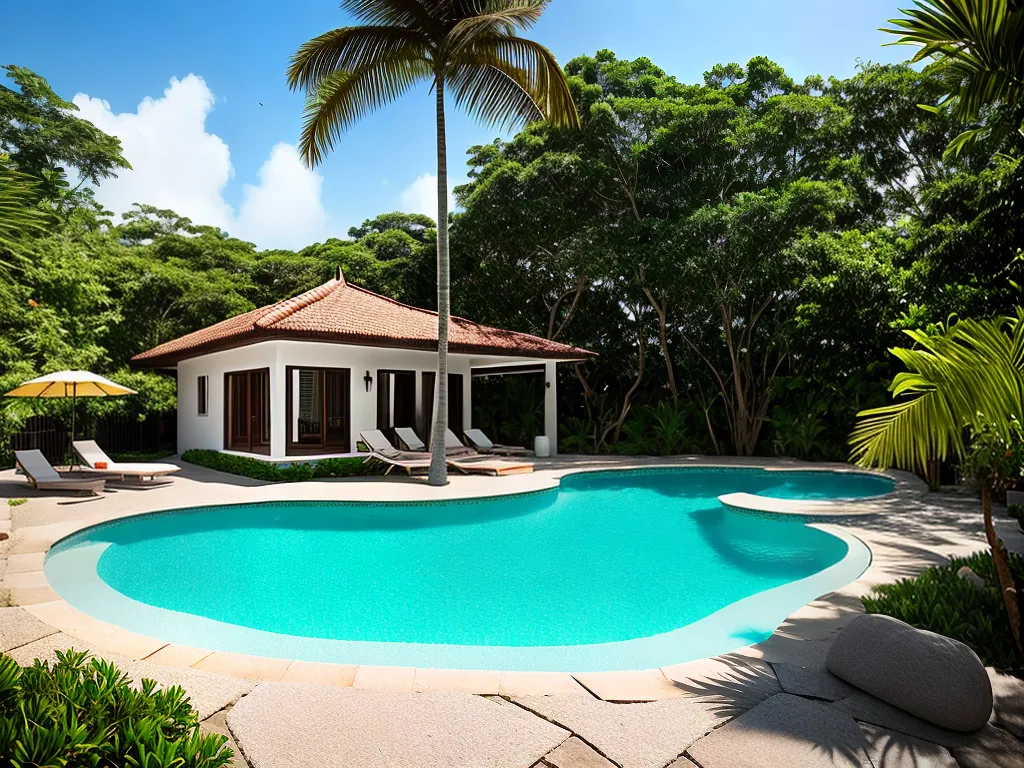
point(469, 47)
point(19, 213)
point(968, 377)
point(980, 45)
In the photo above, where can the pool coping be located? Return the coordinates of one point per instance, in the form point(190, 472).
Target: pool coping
point(32, 591)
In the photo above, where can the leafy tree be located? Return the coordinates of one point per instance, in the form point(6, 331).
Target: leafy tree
point(415, 225)
point(42, 135)
point(469, 47)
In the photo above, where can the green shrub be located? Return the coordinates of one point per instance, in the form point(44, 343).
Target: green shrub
point(348, 466)
point(16, 502)
point(940, 601)
point(86, 713)
point(143, 456)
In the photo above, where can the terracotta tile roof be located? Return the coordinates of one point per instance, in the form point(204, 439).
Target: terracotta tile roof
point(342, 313)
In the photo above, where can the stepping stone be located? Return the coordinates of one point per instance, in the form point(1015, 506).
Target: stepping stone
point(19, 627)
point(785, 730)
point(573, 753)
point(813, 681)
point(649, 735)
point(207, 691)
point(281, 724)
point(889, 749)
point(939, 679)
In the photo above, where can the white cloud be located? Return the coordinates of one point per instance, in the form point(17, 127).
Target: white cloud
point(177, 164)
point(421, 196)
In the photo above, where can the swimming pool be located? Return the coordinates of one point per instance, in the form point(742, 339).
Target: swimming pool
point(612, 570)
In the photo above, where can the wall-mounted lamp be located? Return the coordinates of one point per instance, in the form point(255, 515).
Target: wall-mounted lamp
point(369, 381)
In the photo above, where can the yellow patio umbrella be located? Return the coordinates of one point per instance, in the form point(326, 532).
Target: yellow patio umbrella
point(73, 384)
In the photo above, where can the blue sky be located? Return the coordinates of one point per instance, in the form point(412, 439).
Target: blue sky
point(206, 147)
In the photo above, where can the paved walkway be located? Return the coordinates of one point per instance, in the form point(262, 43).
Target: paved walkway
point(770, 704)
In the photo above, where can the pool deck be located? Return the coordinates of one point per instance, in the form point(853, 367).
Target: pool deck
point(703, 713)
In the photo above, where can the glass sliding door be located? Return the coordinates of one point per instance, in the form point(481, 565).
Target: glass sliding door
point(318, 410)
point(247, 411)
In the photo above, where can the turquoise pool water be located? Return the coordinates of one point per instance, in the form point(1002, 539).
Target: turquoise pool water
point(610, 561)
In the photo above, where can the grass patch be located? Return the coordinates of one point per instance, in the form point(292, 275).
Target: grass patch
point(349, 466)
point(940, 601)
point(16, 502)
point(80, 712)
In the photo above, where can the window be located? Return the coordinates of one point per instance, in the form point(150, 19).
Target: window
point(204, 395)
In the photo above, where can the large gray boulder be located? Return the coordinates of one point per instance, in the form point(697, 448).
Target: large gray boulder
point(933, 677)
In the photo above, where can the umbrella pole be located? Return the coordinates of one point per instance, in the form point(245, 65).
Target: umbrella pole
point(74, 404)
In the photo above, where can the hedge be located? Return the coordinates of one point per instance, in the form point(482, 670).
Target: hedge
point(257, 469)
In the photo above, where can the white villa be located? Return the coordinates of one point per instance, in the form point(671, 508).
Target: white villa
point(305, 376)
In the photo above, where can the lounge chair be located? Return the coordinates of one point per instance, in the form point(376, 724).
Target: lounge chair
point(483, 444)
point(43, 477)
point(382, 450)
point(469, 461)
point(97, 461)
point(410, 439)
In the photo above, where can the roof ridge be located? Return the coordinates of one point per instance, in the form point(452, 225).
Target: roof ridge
point(288, 307)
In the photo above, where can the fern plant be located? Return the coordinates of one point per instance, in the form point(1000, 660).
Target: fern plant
point(82, 712)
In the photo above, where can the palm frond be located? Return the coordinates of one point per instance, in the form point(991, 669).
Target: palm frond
point(19, 215)
point(504, 79)
point(969, 376)
point(396, 13)
point(348, 49)
point(342, 98)
point(500, 17)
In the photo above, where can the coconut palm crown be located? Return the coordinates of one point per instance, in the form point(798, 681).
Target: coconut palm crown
point(468, 48)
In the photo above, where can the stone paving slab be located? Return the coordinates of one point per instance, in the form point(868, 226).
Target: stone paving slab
point(208, 692)
point(990, 747)
point(649, 735)
point(735, 683)
point(867, 709)
point(889, 749)
point(573, 753)
point(1008, 692)
point(813, 681)
point(18, 627)
point(641, 685)
point(282, 725)
point(785, 731)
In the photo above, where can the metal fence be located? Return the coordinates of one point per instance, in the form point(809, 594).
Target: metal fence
point(116, 434)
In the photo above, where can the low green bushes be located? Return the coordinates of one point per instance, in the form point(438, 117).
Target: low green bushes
point(143, 456)
point(79, 713)
point(942, 602)
point(349, 466)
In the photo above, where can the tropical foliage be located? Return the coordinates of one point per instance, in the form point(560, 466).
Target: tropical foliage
point(294, 472)
point(942, 601)
point(79, 712)
point(470, 49)
point(962, 380)
point(979, 44)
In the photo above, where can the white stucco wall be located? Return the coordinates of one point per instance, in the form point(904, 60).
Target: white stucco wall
point(196, 431)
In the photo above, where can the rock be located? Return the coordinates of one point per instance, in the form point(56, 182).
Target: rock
point(936, 678)
point(967, 574)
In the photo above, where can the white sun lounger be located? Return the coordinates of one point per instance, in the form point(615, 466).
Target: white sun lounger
point(382, 450)
point(95, 458)
point(483, 444)
point(452, 445)
point(44, 477)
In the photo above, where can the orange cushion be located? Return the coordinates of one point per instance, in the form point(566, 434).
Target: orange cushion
point(100, 465)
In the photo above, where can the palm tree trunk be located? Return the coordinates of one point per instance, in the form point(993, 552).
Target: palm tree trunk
point(1004, 576)
point(438, 468)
